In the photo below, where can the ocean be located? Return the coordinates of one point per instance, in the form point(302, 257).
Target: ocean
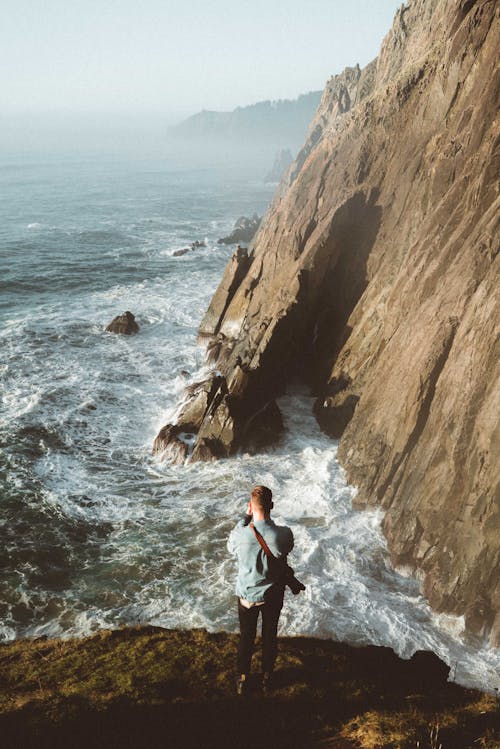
point(95, 532)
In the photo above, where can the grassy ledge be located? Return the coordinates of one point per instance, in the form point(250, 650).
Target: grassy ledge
point(150, 687)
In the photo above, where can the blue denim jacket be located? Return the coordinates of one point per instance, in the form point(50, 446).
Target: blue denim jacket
point(253, 570)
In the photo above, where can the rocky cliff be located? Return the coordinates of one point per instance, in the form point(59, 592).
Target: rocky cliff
point(375, 277)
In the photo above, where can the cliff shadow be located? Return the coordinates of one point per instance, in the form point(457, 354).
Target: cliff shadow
point(352, 235)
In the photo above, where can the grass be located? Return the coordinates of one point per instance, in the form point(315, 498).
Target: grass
point(149, 687)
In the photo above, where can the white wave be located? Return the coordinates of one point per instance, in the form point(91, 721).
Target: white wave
point(144, 540)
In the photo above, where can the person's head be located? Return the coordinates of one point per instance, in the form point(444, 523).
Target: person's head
point(262, 500)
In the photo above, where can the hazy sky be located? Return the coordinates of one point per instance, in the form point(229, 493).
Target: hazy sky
point(175, 58)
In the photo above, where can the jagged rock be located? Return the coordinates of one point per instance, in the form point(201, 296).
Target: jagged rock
point(378, 262)
point(194, 246)
point(282, 162)
point(168, 441)
point(199, 396)
point(124, 324)
point(244, 230)
point(207, 450)
point(235, 272)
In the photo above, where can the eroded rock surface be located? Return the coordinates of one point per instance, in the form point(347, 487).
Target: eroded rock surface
point(375, 277)
point(124, 324)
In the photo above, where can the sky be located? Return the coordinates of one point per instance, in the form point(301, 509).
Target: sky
point(171, 58)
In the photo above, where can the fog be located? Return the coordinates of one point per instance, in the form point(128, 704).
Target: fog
point(87, 79)
point(84, 138)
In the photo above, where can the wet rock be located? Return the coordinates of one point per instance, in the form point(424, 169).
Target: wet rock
point(124, 324)
point(244, 230)
point(207, 450)
point(198, 398)
point(169, 442)
point(194, 246)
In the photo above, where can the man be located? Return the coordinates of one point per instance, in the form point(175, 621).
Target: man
point(258, 590)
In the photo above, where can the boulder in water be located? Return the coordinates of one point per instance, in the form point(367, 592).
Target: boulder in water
point(194, 246)
point(124, 324)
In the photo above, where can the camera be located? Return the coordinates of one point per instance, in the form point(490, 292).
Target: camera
point(291, 581)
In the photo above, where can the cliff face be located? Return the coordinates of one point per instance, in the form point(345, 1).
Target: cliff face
point(375, 277)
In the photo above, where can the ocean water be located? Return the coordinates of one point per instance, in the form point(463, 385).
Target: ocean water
point(94, 531)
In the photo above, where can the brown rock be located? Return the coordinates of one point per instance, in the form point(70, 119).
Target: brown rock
point(199, 396)
point(169, 442)
point(375, 275)
point(234, 274)
point(124, 324)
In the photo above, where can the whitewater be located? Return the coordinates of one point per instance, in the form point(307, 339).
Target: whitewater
point(95, 532)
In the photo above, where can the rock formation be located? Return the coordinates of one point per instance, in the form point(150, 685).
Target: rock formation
point(124, 324)
point(194, 246)
point(375, 277)
point(244, 230)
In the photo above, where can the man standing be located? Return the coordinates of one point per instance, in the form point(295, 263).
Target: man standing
point(259, 589)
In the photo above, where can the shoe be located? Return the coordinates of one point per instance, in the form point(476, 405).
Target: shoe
point(242, 685)
point(266, 684)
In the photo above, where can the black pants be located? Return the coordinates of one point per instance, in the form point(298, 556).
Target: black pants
point(270, 611)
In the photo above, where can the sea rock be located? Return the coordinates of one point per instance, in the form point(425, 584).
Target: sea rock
point(377, 267)
point(282, 162)
point(168, 441)
point(194, 246)
point(124, 324)
point(198, 398)
point(244, 230)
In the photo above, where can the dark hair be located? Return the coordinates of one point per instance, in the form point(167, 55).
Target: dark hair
point(262, 497)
